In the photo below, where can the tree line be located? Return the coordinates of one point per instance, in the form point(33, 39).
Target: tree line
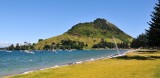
point(104, 44)
point(151, 37)
point(66, 44)
point(25, 46)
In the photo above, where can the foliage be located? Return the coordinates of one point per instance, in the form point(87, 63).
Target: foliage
point(154, 30)
point(47, 47)
point(11, 47)
point(104, 44)
point(86, 40)
point(101, 23)
point(17, 47)
point(100, 28)
point(65, 44)
point(69, 44)
point(40, 40)
point(140, 41)
point(123, 45)
point(26, 46)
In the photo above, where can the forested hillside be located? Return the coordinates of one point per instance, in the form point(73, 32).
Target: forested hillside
point(89, 34)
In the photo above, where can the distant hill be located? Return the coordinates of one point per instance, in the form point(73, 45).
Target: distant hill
point(90, 33)
point(100, 28)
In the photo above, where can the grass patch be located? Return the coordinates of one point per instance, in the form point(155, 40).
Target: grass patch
point(134, 65)
point(87, 40)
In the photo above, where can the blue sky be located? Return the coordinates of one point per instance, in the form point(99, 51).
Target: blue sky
point(30, 20)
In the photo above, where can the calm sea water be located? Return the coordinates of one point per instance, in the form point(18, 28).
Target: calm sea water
point(16, 62)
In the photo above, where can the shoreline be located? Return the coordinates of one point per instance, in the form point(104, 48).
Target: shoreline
point(74, 63)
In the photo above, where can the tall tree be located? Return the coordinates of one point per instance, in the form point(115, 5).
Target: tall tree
point(11, 47)
point(140, 41)
point(154, 30)
point(39, 40)
point(17, 47)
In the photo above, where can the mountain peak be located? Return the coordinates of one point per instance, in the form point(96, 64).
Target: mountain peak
point(100, 20)
point(101, 23)
point(99, 28)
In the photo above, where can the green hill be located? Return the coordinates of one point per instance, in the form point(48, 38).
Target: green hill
point(89, 33)
point(100, 28)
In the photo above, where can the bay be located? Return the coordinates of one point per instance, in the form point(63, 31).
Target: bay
point(16, 62)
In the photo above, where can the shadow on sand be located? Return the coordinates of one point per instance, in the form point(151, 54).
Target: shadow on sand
point(138, 57)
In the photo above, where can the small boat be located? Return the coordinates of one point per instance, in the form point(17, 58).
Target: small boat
point(8, 51)
point(28, 51)
point(53, 50)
